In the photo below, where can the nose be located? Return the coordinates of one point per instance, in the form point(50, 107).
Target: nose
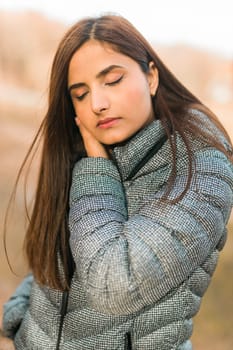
point(99, 101)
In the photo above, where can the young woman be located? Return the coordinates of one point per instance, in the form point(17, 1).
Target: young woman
point(133, 198)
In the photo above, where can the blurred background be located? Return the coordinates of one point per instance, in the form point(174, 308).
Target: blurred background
point(194, 39)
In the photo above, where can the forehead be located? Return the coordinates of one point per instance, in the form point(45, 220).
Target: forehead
point(94, 56)
point(94, 46)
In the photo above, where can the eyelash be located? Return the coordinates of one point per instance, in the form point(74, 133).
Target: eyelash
point(115, 82)
point(80, 98)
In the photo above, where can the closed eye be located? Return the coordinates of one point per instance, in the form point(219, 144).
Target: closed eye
point(112, 83)
point(81, 97)
point(115, 81)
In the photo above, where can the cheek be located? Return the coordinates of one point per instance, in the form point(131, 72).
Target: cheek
point(138, 98)
point(138, 89)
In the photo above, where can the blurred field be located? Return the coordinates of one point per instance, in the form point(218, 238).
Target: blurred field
point(25, 60)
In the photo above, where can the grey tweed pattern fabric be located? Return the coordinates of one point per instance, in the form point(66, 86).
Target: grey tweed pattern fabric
point(142, 265)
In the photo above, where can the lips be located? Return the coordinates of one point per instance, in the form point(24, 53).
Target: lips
point(107, 122)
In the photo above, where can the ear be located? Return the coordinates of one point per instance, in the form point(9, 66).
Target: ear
point(153, 78)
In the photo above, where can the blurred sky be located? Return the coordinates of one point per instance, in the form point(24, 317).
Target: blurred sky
point(207, 24)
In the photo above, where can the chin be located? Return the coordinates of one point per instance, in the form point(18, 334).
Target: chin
point(120, 141)
point(109, 141)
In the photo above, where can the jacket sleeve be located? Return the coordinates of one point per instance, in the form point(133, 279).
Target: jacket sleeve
point(15, 308)
point(126, 263)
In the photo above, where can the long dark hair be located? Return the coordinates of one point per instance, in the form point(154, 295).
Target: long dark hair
point(47, 237)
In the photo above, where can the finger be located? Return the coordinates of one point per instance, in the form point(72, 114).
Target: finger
point(77, 121)
point(84, 132)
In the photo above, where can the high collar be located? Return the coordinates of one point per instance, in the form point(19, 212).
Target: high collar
point(128, 155)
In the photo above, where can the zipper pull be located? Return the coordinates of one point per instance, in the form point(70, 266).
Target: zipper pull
point(64, 303)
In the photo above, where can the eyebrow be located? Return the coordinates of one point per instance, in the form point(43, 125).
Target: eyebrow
point(101, 74)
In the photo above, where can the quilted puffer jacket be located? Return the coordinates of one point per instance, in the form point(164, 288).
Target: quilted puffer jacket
point(143, 264)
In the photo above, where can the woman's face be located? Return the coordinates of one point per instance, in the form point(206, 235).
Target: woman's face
point(110, 93)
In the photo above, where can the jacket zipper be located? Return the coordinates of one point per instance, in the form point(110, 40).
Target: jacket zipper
point(63, 311)
point(147, 157)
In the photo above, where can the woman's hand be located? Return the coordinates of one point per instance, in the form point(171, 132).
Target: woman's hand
point(93, 147)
